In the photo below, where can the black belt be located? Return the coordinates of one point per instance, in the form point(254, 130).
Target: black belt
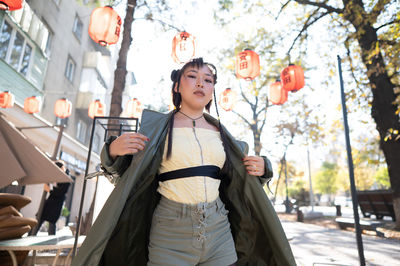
point(205, 170)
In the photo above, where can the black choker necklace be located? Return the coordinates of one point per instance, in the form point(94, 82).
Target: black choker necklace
point(193, 119)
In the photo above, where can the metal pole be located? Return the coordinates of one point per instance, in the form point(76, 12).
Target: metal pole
point(287, 209)
point(78, 226)
point(309, 180)
point(58, 142)
point(351, 169)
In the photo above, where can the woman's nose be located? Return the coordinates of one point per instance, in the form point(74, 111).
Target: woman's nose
point(199, 83)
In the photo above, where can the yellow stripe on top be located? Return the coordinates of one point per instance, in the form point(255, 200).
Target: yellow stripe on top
point(186, 152)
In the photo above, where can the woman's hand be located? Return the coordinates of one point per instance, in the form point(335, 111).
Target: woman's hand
point(127, 143)
point(254, 165)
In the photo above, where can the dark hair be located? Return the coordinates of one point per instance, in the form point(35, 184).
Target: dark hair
point(176, 80)
point(176, 99)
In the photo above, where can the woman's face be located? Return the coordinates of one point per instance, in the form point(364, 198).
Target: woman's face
point(196, 88)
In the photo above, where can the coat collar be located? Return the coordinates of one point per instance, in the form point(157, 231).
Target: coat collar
point(152, 121)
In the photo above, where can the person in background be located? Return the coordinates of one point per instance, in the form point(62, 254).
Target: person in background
point(53, 205)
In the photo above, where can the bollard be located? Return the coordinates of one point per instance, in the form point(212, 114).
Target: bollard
point(338, 210)
point(300, 216)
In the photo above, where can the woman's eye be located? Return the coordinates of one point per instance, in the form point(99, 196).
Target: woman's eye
point(208, 80)
point(192, 76)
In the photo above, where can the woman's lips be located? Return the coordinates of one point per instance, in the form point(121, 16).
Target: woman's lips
point(199, 93)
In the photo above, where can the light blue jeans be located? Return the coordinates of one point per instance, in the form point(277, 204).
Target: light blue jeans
point(183, 234)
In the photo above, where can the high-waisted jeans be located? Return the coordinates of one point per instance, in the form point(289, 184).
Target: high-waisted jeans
point(183, 234)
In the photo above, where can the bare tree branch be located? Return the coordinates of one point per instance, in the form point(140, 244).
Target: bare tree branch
point(389, 42)
point(347, 46)
point(329, 8)
point(242, 117)
point(244, 96)
point(306, 26)
point(387, 24)
point(282, 8)
point(265, 114)
point(163, 23)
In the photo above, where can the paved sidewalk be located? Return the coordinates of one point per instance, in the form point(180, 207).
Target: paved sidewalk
point(316, 245)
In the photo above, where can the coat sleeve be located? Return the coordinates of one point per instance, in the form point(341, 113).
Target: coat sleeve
point(268, 173)
point(113, 169)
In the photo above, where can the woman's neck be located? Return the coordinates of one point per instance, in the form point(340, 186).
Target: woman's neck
point(191, 113)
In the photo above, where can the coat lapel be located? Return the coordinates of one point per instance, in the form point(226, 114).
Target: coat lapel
point(258, 234)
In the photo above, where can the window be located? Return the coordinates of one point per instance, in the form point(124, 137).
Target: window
point(78, 26)
point(81, 129)
point(14, 49)
point(96, 143)
point(70, 69)
point(5, 39)
point(48, 44)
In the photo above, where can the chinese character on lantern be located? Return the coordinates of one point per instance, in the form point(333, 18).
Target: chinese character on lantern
point(247, 65)
point(227, 99)
point(96, 108)
point(63, 108)
point(105, 25)
point(292, 78)
point(6, 99)
point(183, 47)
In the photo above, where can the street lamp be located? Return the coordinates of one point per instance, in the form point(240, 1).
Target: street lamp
point(351, 169)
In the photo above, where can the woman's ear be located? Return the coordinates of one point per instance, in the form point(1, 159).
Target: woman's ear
point(176, 87)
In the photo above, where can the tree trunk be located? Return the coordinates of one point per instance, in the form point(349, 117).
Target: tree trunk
point(120, 71)
point(383, 109)
point(257, 140)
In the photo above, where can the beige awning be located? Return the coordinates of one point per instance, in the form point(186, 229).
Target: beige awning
point(34, 166)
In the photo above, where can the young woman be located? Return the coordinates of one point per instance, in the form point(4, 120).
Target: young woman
point(174, 179)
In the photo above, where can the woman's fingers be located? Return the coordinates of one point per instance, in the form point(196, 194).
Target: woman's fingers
point(254, 165)
point(127, 143)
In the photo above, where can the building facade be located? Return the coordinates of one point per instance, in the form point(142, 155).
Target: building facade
point(45, 51)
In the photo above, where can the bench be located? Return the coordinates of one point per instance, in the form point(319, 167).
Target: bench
point(376, 202)
point(344, 223)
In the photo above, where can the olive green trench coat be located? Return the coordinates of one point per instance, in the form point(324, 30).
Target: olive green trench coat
point(120, 233)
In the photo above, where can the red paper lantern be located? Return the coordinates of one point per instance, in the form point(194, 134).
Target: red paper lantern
point(10, 4)
point(31, 105)
point(105, 25)
point(134, 108)
point(277, 95)
point(292, 78)
point(96, 108)
point(247, 65)
point(183, 47)
point(227, 99)
point(6, 99)
point(63, 108)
